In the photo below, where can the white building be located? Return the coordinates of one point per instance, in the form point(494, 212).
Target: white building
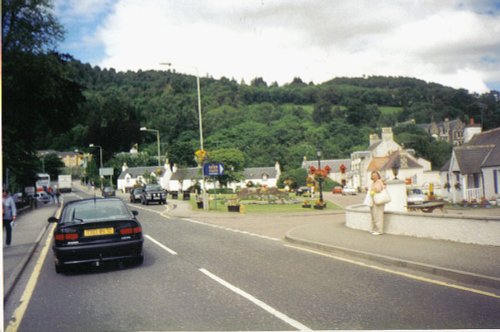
point(384, 155)
point(473, 171)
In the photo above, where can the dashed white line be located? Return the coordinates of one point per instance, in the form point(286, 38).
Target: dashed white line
point(259, 303)
point(161, 245)
point(231, 229)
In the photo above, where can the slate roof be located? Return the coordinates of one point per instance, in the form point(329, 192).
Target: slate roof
point(138, 171)
point(492, 138)
point(333, 163)
point(192, 173)
point(483, 150)
point(258, 172)
point(471, 158)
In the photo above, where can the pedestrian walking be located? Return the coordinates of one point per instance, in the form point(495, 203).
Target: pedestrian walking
point(377, 210)
point(58, 194)
point(9, 213)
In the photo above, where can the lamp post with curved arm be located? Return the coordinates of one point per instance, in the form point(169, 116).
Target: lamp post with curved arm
point(199, 100)
point(157, 139)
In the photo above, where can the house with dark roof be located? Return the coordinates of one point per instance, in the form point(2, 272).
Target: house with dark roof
point(473, 171)
point(131, 177)
point(173, 178)
point(339, 168)
point(259, 176)
point(451, 131)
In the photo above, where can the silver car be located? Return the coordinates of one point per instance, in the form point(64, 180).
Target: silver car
point(415, 196)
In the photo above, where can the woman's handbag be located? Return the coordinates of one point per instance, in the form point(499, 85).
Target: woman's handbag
point(368, 200)
point(381, 197)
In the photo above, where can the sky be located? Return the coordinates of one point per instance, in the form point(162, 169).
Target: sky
point(452, 42)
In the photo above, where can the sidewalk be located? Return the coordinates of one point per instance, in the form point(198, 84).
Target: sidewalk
point(326, 231)
point(27, 233)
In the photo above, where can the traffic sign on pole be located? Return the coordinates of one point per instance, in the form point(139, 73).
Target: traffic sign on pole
point(213, 169)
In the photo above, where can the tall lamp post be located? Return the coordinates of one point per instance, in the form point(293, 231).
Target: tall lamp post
point(100, 159)
point(100, 151)
point(157, 139)
point(205, 198)
point(320, 179)
point(199, 101)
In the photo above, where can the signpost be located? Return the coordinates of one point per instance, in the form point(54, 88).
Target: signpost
point(212, 170)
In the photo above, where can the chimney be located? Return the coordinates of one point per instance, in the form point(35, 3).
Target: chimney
point(374, 139)
point(387, 134)
point(124, 167)
point(471, 130)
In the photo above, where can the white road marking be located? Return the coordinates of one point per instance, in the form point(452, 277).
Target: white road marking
point(259, 303)
point(163, 214)
point(403, 274)
point(161, 245)
point(18, 315)
point(231, 229)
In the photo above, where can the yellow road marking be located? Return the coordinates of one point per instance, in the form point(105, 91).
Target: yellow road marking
point(403, 274)
point(18, 315)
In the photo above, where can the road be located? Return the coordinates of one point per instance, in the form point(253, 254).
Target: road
point(198, 277)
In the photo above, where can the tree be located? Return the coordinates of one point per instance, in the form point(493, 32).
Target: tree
point(233, 161)
point(39, 100)
point(52, 165)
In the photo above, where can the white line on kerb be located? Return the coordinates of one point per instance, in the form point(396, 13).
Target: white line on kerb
point(259, 303)
point(161, 245)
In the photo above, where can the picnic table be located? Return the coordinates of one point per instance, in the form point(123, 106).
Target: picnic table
point(427, 207)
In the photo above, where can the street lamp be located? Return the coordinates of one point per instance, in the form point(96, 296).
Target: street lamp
point(100, 150)
point(157, 139)
point(199, 101)
point(205, 198)
point(320, 179)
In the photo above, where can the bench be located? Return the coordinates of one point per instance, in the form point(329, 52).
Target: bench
point(427, 207)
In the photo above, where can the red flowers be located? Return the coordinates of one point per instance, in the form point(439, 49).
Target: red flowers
point(319, 172)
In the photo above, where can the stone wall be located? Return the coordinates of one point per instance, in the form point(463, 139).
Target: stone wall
point(482, 230)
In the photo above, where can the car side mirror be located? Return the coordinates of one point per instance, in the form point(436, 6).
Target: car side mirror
point(53, 219)
point(135, 213)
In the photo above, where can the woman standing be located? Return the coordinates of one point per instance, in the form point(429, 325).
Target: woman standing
point(377, 211)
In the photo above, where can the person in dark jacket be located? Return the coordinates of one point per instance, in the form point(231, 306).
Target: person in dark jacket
point(9, 215)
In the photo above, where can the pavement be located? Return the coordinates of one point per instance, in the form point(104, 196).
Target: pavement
point(324, 231)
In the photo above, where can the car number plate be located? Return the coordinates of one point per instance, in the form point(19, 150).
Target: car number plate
point(99, 231)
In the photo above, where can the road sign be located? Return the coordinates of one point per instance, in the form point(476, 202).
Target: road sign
point(213, 169)
point(106, 171)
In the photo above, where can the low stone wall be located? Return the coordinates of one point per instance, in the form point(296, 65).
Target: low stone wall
point(440, 226)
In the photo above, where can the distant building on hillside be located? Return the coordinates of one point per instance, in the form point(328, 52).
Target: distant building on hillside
point(448, 131)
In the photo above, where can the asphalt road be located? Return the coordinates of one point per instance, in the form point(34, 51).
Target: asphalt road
point(198, 277)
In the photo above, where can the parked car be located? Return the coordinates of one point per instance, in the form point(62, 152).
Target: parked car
point(304, 191)
point(42, 197)
point(153, 193)
point(415, 196)
point(135, 195)
point(349, 191)
point(96, 231)
point(108, 192)
point(337, 190)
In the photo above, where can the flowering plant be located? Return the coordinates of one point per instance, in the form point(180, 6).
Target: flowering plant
point(319, 172)
point(200, 156)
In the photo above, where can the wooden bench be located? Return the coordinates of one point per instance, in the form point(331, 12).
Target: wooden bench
point(427, 207)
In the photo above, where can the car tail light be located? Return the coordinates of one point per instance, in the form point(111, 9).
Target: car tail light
point(130, 230)
point(66, 236)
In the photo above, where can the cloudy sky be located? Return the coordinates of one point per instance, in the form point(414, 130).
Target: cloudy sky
point(452, 42)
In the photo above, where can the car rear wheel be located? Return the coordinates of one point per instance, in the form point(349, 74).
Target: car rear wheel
point(60, 268)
